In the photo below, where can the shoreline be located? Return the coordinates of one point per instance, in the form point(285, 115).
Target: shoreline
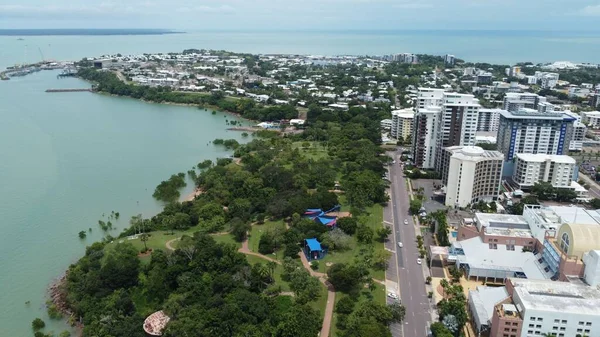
point(193, 195)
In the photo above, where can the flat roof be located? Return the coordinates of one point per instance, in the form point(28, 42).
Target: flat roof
point(560, 297)
point(536, 115)
point(478, 255)
point(578, 215)
point(484, 299)
point(404, 113)
point(592, 113)
point(313, 244)
point(540, 158)
point(503, 225)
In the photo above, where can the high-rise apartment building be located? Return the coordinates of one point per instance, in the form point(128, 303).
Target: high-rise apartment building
point(528, 132)
point(442, 119)
point(470, 174)
point(488, 120)
point(515, 101)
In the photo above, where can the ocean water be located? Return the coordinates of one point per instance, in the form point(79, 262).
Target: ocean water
point(68, 158)
point(503, 47)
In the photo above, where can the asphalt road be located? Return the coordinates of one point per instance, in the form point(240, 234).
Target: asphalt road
point(403, 265)
point(593, 191)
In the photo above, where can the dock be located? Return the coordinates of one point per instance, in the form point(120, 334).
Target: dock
point(69, 90)
point(250, 129)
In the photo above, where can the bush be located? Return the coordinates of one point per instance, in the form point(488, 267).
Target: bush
point(314, 265)
point(38, 324)
point(345, 305)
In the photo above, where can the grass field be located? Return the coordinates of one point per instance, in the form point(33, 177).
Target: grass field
point(258, 230)
point(374, 220)
point(159, 239)
point(314, 151)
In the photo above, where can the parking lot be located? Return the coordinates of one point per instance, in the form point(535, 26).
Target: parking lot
point(433, 201)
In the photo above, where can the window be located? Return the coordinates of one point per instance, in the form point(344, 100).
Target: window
point(540, 319)
point(530, 332)
point(562, 328)
point(588, 324)
point(556, 320)
point(554, 328)
point(565, 242)
point(531, 325)
point(515, 324)
point(586, 330)
point(564, 321)
point(538, 326)
point(506, 329)
point(532, 319)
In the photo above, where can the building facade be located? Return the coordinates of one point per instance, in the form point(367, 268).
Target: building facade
point(534, 168)
point(488, 120)
point(402, 124)
point(591, 119)
point(514, 101)
point(470, 174)
point(527, 132)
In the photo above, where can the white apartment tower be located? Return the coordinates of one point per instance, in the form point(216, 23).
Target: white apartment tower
point(488, 120)
point(470, 174)
point(533, 168)
point(442, 119)
point(402, 123)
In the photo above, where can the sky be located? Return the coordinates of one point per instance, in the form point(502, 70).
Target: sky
point(189, 15)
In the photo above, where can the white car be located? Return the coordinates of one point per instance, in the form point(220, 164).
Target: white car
point(393, 296)
point(406, 221)
point(418, 261)
point(400, 244)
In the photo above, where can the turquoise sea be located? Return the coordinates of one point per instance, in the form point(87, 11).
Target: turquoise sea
point(68, 158)
point(472, 45)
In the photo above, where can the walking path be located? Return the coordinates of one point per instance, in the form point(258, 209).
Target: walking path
point(245, 250)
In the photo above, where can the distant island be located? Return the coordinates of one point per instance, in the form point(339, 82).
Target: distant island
point(48, 32)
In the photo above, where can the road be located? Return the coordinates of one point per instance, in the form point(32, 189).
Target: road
point(403, 265)
point(594, 190)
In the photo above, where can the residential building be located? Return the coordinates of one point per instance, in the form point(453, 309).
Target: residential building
point(488, 119)
point(449, 59)
point(493, 228)
point(594, 100)
point(442, 119)
point(424, 136)
point(537, 307)
point(534, 168)
point(386, 124)
point(402, 123)
point(546, 107)
point(579, 131)
point(529, 132)
point(547, 80)
point(481, 305)
point(514, 101)
point(457, 124)
point(470, 174)
point(591, 118)
point(405, 58)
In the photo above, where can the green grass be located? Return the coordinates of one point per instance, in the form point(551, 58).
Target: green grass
point(321, 302)
point(377, 295)
point(256, 232)
point(374, 220)
point(315, 151)
point(159, 239)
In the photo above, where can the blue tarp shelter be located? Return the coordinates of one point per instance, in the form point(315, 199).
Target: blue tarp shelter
point(313, 249)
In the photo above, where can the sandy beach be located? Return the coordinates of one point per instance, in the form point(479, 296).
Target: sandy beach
point(193, 195)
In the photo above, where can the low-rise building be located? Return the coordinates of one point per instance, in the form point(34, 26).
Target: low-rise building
point(470, 174)
point(537, 307)
point(535, 168)
point(591, 118)
point(386, 124)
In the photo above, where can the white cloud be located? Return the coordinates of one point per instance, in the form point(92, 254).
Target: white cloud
point(591, 10)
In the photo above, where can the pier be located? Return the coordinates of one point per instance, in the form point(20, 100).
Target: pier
point(69, 90)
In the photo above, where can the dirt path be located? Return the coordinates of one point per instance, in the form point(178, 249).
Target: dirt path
point(245, 250)
point(330, 296)
point(169, 243)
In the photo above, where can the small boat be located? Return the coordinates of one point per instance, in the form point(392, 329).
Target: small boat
point(20, 39)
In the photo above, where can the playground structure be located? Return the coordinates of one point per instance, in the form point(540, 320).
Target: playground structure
point(313, 250)
point(320, 216)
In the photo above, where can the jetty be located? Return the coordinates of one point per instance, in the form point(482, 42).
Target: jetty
point(69, 90)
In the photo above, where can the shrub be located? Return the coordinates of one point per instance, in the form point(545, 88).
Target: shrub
point(38, 324)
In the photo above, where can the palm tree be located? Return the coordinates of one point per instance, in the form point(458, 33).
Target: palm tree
point(144, 238)
point(271, 265)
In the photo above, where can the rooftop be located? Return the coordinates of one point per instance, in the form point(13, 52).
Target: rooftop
point(561, 297)
point(484, 299)
point(540, 158)
point(474, 153)
point(478, 255)
point(503, 225)
point(536, 115)
point(404, 113)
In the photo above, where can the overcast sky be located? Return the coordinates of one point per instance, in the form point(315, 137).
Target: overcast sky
point(302, 14)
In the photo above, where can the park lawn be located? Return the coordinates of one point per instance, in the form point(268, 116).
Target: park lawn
point(377, 295)
point(276, 274)
point(316, 151)
point(375, 221)
point(321, 303)
point(159, 239)
point(256, 232)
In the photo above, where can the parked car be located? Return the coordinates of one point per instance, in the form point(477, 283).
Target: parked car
point(393, 296)
point(406, 221)
point(418, 261)
point(400, 244)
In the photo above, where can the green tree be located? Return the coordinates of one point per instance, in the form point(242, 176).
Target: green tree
point(347, 224)
point(383, 233)
point(595, 203)
point(364, 234)
point(38, 324)
point(398, 312)
point(82, 234)
point(543, 190)
point(144, 238)
point(414, 206)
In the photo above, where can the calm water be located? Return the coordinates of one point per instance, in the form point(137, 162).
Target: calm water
point(486, 46)
point(67, 158)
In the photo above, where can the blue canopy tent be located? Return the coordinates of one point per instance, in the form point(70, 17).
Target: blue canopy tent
point(313, 249)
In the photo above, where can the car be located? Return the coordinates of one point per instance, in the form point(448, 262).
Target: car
point(393, 296)
point(418, 261)
point(393, 162)
point(406, 221)
point(400, 244)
